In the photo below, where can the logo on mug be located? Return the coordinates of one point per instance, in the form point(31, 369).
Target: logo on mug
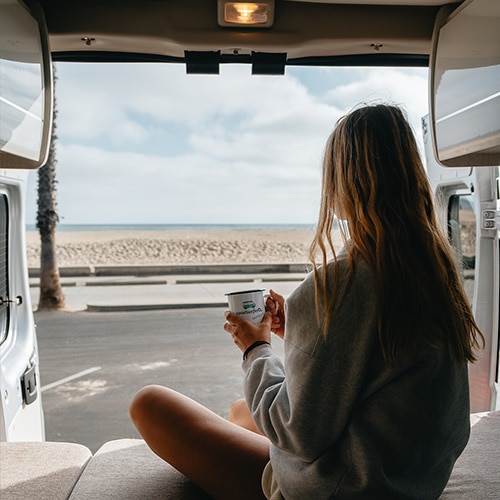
point(248, 304)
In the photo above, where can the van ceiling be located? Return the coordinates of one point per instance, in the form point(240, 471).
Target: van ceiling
point(322, 32)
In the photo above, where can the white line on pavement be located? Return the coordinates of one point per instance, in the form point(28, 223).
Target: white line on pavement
point(70, 378)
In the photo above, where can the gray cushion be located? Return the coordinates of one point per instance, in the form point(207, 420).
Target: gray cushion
point(126, 469)
point(46, 471)
point(476, 474)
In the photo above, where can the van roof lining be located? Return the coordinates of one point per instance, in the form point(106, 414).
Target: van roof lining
point(306, 31)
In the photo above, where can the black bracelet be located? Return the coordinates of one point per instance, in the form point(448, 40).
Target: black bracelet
point(253, 346)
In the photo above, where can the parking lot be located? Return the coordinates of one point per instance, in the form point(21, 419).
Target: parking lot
point(92, 363)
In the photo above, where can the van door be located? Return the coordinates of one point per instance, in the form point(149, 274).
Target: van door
point(463, 134)
point(25, 125)
point(21, 416)
point(468, 204)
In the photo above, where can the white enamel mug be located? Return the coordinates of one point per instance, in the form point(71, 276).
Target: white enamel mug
point(248, 304)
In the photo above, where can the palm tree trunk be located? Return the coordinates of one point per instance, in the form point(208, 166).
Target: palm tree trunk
point(51, 295)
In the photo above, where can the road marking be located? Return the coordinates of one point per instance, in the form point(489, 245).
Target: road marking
point(70, 378)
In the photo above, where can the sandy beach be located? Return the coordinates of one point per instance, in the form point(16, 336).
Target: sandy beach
point(173, 247)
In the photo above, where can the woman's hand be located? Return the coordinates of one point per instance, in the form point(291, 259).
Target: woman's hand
point(275, 304)
point(245, 333)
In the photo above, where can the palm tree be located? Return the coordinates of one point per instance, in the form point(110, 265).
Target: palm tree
point(51, 295)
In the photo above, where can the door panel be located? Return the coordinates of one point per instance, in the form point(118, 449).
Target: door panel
point(465, 85)
point(21, 417)
point(463, 195)
point(484, 373)
point(25, 86)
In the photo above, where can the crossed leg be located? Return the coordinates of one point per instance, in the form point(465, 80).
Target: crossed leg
point(240, 414)
point(223, 458)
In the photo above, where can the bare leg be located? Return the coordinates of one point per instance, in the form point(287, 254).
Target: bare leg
point(222, 458)
point(239, 414)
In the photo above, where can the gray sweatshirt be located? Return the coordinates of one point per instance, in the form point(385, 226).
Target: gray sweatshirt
point(342, 422)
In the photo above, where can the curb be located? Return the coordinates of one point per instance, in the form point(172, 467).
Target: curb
point(188, 280)
point(179, 269)
point(150, 307)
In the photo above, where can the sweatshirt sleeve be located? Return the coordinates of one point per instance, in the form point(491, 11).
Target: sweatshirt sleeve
point(303, 405)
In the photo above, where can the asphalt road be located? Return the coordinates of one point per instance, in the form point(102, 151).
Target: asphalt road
point(91, 364)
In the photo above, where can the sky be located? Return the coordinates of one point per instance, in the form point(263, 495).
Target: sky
point(148, 144)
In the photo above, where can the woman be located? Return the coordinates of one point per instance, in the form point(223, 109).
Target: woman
point(372, 399)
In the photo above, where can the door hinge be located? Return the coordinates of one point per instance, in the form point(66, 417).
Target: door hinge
point(29, 385)
point(490, 219)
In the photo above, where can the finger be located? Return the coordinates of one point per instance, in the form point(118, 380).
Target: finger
point(229, 328)
point(277, 297)
point(232, 318)
point(267, 319)
point(271, 305)
point(275, 326)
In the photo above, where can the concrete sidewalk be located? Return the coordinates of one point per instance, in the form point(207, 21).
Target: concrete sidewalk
point(140, 293)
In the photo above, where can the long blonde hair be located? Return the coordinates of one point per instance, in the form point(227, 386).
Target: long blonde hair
point(374, 179)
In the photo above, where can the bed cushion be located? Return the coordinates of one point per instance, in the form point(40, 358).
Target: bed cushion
point(126, 469)
point(41, 470)
point(476, 474)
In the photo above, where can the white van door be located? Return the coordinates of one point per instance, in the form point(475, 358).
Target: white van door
point(25, 123)
point(468, 204)
point(21, 415)
point(462, 140)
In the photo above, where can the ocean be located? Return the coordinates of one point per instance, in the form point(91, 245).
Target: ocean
point(178, 227)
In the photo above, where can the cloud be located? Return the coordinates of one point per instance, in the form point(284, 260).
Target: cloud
point(192, 188)
point(405, 87)
point(147, 143)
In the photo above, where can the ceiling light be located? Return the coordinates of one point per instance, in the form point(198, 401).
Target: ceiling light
point(246, 14)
